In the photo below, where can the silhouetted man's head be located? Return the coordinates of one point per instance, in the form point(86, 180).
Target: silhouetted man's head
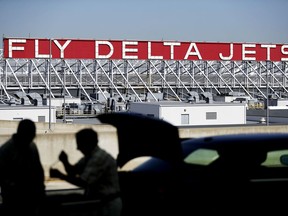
point(26, 131)
point(87, 140)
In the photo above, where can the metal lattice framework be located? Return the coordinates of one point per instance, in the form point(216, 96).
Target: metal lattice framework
point(174, 78)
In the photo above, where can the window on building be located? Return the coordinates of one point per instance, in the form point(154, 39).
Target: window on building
point(184, 119)
point(211, 115)
point(18, 119)
point(41, 118)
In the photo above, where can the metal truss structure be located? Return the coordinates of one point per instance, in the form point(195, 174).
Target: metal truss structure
point(176, 79)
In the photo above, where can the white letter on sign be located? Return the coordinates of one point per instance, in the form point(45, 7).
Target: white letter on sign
point(62, 47)
point(227, 57)
point(125, 49)
point(172, 44)
point(284, 52)
point(268, 47)
point(37, 55)
point(244, 52)
point(11, 48)
point(150, 52)
point(98, 43)
point(190, 52)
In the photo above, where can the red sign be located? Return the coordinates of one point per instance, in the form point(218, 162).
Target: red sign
point(142, 50)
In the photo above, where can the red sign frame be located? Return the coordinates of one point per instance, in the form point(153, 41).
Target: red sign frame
point(30, 48)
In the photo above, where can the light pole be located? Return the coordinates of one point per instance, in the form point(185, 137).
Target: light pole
point(64, 92)
point(267, 93)
point(49, 78)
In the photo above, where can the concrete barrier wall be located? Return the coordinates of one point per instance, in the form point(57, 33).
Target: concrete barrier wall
point(51, 144)
point(207, 131)
point(62, 137)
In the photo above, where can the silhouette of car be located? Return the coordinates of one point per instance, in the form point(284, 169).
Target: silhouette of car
point(231, 174)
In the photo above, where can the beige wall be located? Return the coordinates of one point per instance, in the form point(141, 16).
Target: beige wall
point(61, 137)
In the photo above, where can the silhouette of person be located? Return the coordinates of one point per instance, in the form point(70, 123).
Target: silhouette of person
point(21, 173)
point(96, 172)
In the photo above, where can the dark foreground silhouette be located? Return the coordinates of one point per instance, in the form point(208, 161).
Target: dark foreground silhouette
point(96, 172)
point(21, 173)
